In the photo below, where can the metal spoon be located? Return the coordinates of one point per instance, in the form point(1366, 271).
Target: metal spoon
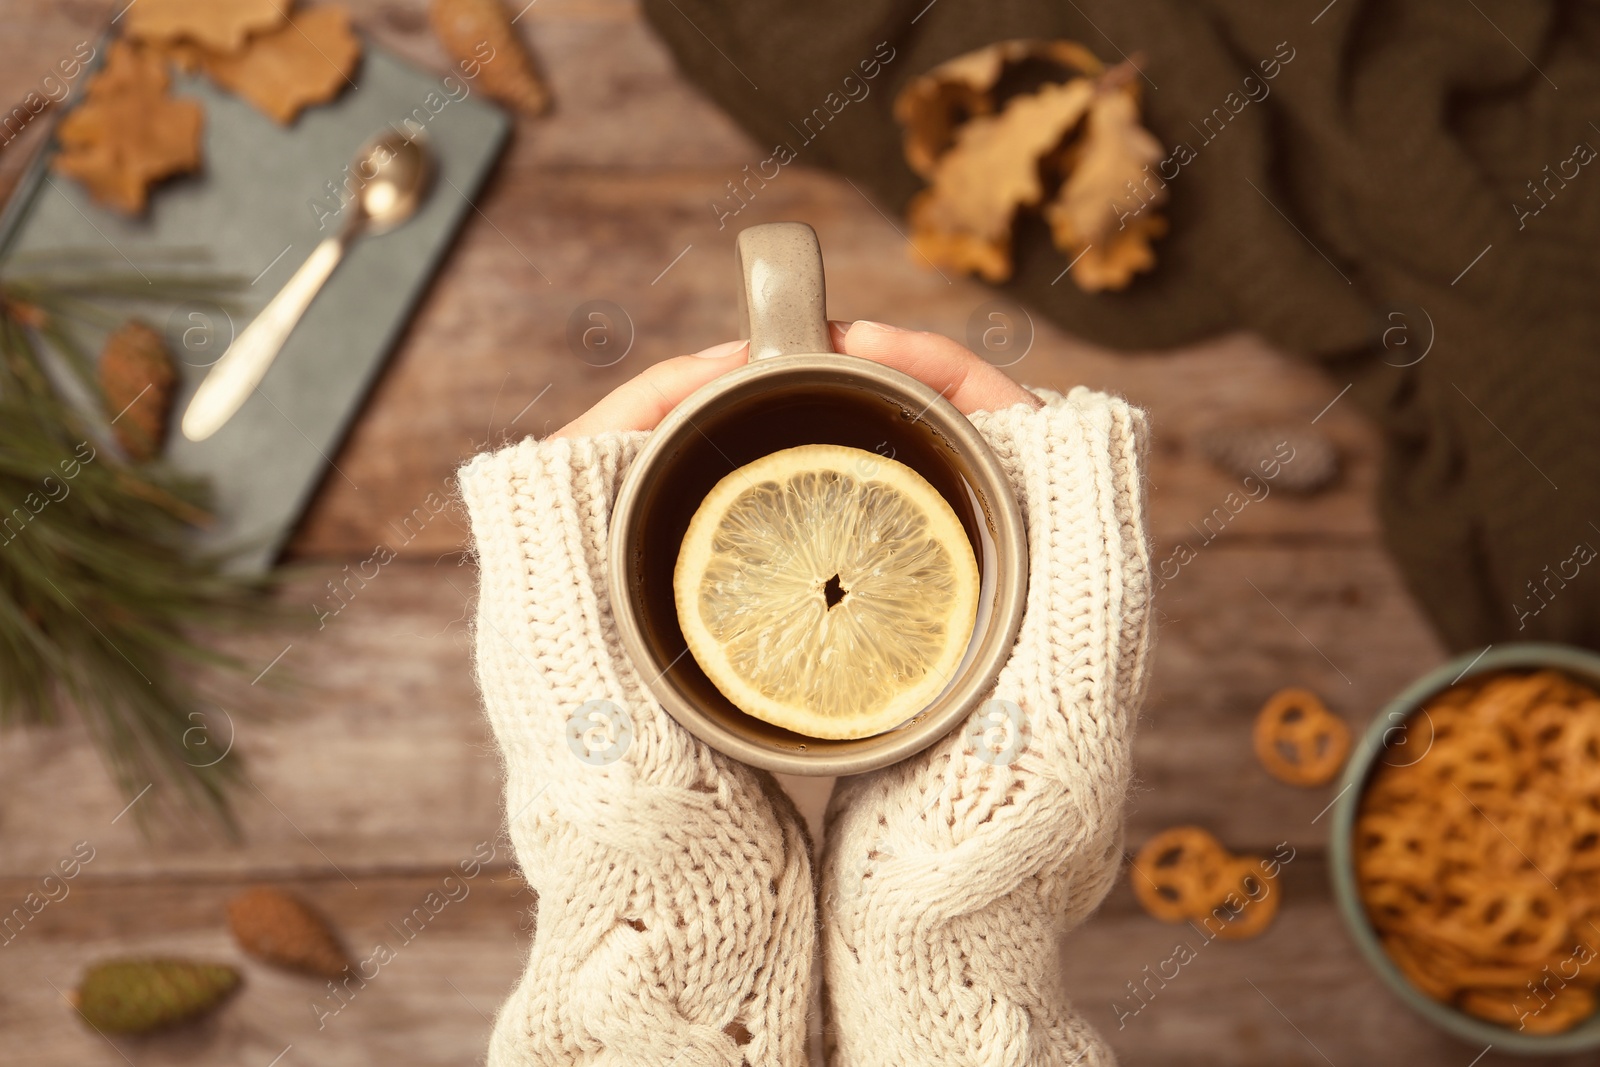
point(397, 173)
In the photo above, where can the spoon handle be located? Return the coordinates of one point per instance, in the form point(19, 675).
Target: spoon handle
point(245, 363)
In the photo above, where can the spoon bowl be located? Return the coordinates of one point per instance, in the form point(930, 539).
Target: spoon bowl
point(401, 171)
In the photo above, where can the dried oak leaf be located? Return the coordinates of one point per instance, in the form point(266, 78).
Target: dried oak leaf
point(464, 27)
point(128, 132)
point(1099, 217)
point(137, 377)
point(934, 105)
point(222, 25)
point(283, 930)
point(306, 61)
point(964, 219)
point(995, 130)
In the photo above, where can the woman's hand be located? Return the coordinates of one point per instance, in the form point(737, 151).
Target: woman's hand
point(965, 380)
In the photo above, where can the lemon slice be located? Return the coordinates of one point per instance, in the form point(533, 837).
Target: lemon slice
point(827, 590)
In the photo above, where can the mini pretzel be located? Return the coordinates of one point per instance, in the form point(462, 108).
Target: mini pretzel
point(1477, 761)
point(1529, 832)
point(1571, 1005)
point(1423, 966)
point(1523, 1010)
point(1393, 905)
point(1298, 740)
point(1502, 1006)
point(1577, 759)
point(1247, 899)
point(1584, 819)
point(1515, 919)
point(1581, 891)
point(1391, 847)
point(1398, 788)
point(1176, 872)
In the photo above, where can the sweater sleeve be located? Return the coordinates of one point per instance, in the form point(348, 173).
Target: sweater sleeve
point(675, 919)
point(1078, 467)
point(540, 511)
point(949, 878)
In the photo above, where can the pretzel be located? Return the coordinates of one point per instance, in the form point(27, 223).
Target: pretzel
point(1528, 832)
point(1185, 873)
point(1511, 918)
point(1298, 740)
point(1521, 1010)
point(1577, 757)
point(1247, 899)
point(1397, 789)
point(1175, 874)
point(1580, 889)
point(1477, 761)
point(1392, 905)
point(1423, 965)
point(1390, 847)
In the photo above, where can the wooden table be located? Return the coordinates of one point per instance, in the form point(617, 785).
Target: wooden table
point(375, 773)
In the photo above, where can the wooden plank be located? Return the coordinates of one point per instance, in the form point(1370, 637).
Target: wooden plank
point(382, 757)
point(428, 999)
point(491, 340)
point(1297, 995)
point(1237, 624)
point(379, 756)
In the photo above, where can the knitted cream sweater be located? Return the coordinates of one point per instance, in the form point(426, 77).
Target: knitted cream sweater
point(676, 912)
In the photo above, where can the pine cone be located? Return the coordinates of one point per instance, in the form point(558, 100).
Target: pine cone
point(467, 27)
point(137, 377)
point(136, 996)
point(282, 930)
point(1292, 458)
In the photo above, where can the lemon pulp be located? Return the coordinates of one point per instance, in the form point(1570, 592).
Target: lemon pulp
point(827, 590)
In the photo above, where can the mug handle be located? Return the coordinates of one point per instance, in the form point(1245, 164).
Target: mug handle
point(782, 299)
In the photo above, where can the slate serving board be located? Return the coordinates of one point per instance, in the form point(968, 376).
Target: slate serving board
point(250, 214)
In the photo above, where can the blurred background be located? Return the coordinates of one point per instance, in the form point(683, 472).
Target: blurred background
point(563, 251)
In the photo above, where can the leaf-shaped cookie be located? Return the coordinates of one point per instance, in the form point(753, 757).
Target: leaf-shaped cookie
point(998, 130)
point(219, 24)
point(933, 105)
point(964, 219)
point(128, 132)
point(1099, 217)
point(307, 61)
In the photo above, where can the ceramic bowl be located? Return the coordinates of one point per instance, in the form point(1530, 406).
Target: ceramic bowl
point(1396, 736)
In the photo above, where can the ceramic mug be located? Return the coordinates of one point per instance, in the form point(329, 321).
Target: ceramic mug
point(796, 390)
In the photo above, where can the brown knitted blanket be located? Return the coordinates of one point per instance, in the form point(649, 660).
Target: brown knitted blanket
point(1421, 168)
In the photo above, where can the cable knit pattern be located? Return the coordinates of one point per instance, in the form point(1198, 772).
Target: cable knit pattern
point(676, 912)
point(948, 880)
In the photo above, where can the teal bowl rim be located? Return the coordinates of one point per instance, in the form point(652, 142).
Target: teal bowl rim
point(1341, 868)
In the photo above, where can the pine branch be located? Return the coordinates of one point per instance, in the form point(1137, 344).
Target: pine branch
point(103, 597)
